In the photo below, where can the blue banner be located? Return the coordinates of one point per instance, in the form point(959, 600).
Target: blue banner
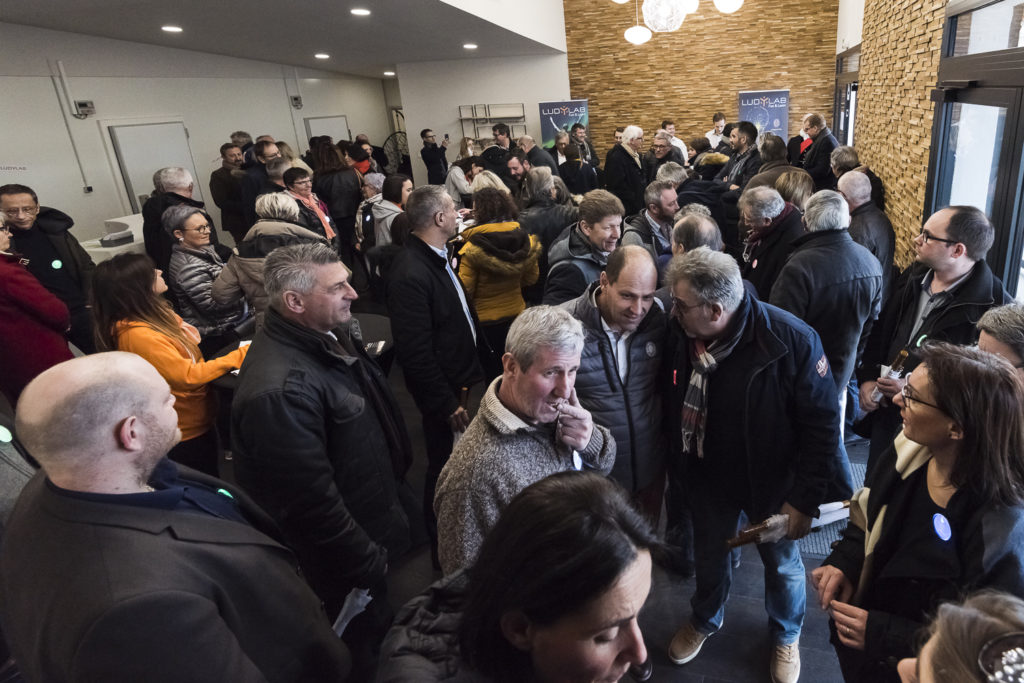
point(556, 116)
point(766, 109)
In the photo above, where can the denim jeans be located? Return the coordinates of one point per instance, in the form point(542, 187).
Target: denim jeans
point(714, 521)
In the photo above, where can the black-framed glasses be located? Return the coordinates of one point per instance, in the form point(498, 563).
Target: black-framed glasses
point(928, 237)
point(201, 228)
point(17, 211)
point(683, 307)
point(910, 397)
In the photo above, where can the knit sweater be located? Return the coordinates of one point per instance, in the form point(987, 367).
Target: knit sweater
point(497, 457)
point(188, 377)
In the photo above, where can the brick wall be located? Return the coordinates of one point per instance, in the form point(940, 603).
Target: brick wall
point(892, 132)
point(691, 73)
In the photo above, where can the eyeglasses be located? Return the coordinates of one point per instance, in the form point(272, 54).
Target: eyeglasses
point(910, 397)
point(684, 307)
point(662, 146)
point(15, 212)
point(928, 237)
point(202, 228)
point(307, 181)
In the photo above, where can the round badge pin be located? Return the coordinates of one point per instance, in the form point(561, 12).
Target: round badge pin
point(942, 528)
point(56, 264)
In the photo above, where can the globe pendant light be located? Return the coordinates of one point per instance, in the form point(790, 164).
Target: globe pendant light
point(728, 6)
point(662, 16)
point(638, 35)
point(620, 2)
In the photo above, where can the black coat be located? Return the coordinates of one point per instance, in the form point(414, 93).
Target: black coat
point(574, 262)
point(579, 176)
point(436, 162)
point(253, 180)
point(313, 449)
point(433, 340)
point(226, 191)
point(624, 178)
point(818, 160)
point(547, 220)
point(749, 164)
point(538, 156)
point(340, 191)
point(872, 229)
point(764, 261)
point(652, 163)
point(834, 285)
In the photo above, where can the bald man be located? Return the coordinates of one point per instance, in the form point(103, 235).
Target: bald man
point(118, 566)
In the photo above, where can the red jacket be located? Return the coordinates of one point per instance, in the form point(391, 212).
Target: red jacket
point(32, 326)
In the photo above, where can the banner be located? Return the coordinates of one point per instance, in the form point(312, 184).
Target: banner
point(766, 109)
point(556, 116)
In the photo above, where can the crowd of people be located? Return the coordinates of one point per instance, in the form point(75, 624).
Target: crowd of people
point(617, 364)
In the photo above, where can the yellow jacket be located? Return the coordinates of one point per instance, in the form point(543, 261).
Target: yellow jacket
point(195, 404)
point(498, 260)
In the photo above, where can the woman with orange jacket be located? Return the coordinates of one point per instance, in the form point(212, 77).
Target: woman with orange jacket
point(131, 315)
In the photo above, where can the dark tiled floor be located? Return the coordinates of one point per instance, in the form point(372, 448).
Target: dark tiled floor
point(740, 652)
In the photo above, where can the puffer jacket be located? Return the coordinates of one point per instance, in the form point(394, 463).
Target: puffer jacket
point(242, 275)
point(192, 272)
point(384, 213)
point(574, 263)
point(497, 261)
point(631, 410)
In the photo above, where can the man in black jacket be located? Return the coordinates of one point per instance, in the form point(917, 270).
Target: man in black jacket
point(537, 155)
point(495, 157)
point(941, 296)
point(745, 161)
point(434, 157)
point(817, 160)
point(624, 172)
point(580, 253)
point(869, 226)
point(437, 340)
point(319, 440)
point(42, 236)
point(255, 175)
point(226, 191)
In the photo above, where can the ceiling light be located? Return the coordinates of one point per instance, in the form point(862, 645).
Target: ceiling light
point(728, 6)
point(638, 35)
point(470, 46)
point(360, 12)
point(171, 29)
point(389, 73)
point(322, 55)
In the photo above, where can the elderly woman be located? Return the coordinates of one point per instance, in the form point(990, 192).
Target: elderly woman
point(457, 182)
point(131, 315)
point(488, 179)
point(373, 185)
point(624, 170)
point(242, 276)
point(194, 267)
point(313, 213)
point(940, 514)
point(498, 259)
point(553, 596)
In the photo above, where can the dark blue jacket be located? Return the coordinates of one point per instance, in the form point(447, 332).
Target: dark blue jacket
point(787, 411)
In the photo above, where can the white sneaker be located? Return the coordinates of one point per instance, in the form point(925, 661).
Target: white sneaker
point(785, 666)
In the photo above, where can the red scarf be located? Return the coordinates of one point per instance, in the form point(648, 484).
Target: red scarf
point(363, 166)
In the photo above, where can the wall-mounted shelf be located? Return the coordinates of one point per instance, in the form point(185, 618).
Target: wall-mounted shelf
point(478, 119)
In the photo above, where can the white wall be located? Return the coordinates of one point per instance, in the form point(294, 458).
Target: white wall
point(433, 91)
point(851, 24)
point(213, 94)
point(540, 20)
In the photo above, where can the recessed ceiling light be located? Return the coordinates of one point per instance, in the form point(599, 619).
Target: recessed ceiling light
point(322, 55)
point(470, 46)
point(360, 12)
point(389, 73)
point(171, 29)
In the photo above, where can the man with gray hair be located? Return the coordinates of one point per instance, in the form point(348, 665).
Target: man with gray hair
point(120, 565)
point(869, 226)
point(274, 182)
point(663, 151)
point(624, 170)
point(771, 224)
point(537, 155)
point(845, 159)
point(1001, 331)
point(530, 425)
point(319, 441)
point(173, 186)
point(754, 429)
point(652, 227)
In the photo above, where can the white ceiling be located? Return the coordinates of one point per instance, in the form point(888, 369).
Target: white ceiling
point(287, 32)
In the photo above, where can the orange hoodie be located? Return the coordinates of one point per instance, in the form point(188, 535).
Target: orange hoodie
point(187, 376)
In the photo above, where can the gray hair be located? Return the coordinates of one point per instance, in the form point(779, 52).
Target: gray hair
point(762, 202)
point(826, 210)
point(652, 193)
point(844, 158)
point(174, 217)
point(693, 208)
point(537, 184)
point(543, 327)
point(856, 186)
point(695, 230)
point(713, 276)
point(561, 134)
point(293, 269)
point(423, 204)
point(631, 133)
point(277, 167)
point(662, 134)
point(375, 181)
point(277, 205)
point(672, 172)
point(525, 140)
point(172, 178)
point(1006, 325)
point(240, 137)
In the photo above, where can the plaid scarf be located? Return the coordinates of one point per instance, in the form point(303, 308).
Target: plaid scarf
point(705, 360)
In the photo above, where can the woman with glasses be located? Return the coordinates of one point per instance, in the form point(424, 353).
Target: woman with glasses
point(941, 514)
point(132, 315)
point(313, 212)
point(32, 323)
point(194, 267)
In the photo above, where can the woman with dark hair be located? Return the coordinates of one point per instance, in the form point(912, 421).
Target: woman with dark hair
point(193, 268)
point(338, 184)
point(498, 259)
point(553, 596)
point(940, 514)
point(131, 315)
point(360, 158)
point(457, 181)
point(545, 218)
point(978, 641)
point(579, 176)
point(313, 213)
